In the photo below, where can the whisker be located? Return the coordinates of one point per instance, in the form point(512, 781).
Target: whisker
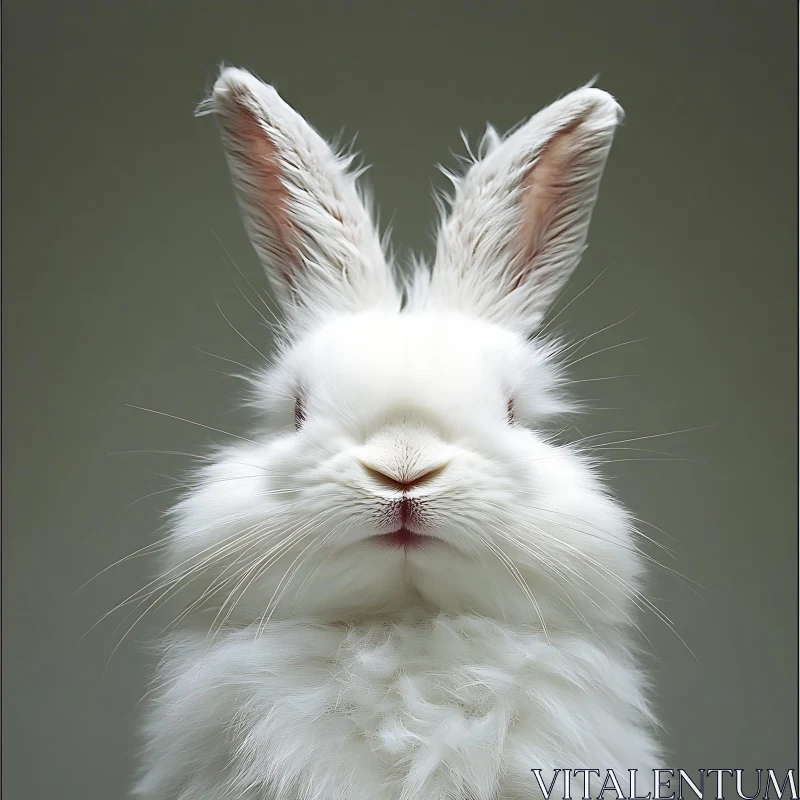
point(635, 593)
point(165, 576)
point(278, 322)
point(571, 364)
point(223, 358)
point(240, 334)
point(191, 422)
point(577, 296)
point(585, 339)
point(267, 616)
point(668, 433)
point(515, 573)
point(683, 578)
point(524, 546)
point(605, 378)
point(153, 494)
point(547, 560)
point(260, 567)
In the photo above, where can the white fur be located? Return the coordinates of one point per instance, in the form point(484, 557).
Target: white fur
point(312, 663)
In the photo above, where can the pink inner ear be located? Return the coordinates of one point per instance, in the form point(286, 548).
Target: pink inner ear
point(261, 182)
point(546, 197)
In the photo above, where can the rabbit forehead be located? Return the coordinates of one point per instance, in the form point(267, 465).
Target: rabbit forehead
point(411, 353)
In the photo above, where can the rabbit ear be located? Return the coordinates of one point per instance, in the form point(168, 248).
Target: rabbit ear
point(519, 217)
point(302, 209)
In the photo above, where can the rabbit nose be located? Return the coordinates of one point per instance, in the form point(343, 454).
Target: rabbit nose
point(401, 482)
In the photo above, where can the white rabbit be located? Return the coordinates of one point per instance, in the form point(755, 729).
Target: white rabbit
point(399, 587)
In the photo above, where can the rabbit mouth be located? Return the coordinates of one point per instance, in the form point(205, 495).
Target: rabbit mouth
point(403, 537)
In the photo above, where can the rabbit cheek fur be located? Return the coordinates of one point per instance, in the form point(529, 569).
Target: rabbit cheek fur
point(399, 587)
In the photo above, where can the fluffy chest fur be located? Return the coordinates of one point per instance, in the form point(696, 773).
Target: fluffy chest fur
point(435, 708)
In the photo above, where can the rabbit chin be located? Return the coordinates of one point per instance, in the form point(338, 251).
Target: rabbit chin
point(586, 582)
point(366, 581)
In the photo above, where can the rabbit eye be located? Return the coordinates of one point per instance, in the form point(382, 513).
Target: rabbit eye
point(299, 412)
point(510, 411)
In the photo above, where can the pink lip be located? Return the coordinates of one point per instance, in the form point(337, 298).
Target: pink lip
point(404, 538)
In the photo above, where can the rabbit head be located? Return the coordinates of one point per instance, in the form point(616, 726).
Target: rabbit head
point(404, 460)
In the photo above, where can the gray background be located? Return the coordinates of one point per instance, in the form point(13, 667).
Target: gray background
point(111, 275)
